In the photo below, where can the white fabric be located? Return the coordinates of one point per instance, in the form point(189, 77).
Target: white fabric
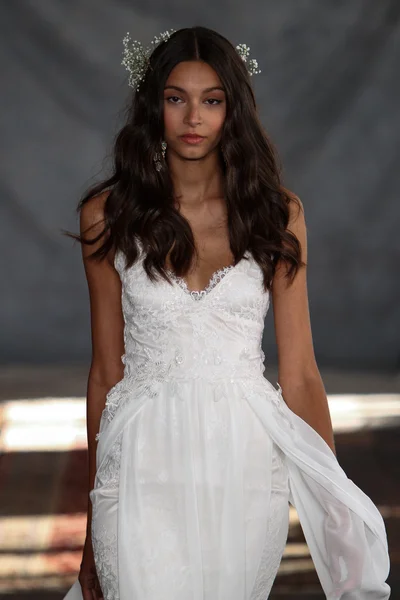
point(198, 456)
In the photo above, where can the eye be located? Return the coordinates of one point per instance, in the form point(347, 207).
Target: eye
point(172, 99)
point(214, 100)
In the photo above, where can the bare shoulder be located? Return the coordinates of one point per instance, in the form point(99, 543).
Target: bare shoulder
point(297, 224)
point(296, 210)
point(92, 223)
point(92, 212)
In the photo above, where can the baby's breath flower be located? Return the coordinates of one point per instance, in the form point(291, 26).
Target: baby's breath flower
point(252, 64)
point(136, 57)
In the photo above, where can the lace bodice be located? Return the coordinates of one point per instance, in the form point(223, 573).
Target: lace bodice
point(172, 333)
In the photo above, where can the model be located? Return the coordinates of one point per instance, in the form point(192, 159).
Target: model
point(194, 455)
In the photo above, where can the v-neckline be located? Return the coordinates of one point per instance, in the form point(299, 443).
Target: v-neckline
point(213, 282)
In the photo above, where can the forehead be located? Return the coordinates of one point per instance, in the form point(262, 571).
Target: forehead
point(193, 74)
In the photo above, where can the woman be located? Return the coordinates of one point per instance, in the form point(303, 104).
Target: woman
point(198, 454)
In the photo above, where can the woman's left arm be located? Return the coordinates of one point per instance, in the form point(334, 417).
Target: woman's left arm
point(298, 373)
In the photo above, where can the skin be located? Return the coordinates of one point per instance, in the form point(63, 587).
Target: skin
point(194, 102)
point(198, 183)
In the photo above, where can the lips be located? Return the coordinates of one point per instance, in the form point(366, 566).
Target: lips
point(191, 138)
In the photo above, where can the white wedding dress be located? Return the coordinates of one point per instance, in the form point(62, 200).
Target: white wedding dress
point(198, 457)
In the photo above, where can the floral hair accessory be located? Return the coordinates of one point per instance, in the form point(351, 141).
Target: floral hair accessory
point(252, 64)
point(136, 57)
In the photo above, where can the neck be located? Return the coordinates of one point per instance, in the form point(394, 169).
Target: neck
point(196, 181)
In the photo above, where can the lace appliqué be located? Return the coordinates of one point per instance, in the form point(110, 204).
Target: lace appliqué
point(108, 473)
point(149, 373)
point(104, 538)
point(106, 561)
point(199, 294)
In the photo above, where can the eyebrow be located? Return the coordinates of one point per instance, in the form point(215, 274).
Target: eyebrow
point(179, 89)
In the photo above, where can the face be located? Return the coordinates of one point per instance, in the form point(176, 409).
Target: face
point(194, 104)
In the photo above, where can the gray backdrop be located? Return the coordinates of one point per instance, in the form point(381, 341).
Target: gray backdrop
point(328, 96)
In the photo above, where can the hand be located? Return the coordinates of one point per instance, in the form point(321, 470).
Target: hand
point(87, 575)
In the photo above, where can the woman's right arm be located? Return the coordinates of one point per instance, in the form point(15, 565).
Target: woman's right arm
point(107, 331)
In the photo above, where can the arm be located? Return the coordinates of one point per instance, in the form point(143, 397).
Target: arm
point(298, 373)
point(107, 326)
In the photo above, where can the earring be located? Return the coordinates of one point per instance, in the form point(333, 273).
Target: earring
point(157, 158)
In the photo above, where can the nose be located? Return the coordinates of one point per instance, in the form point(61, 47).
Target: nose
point(193, 116)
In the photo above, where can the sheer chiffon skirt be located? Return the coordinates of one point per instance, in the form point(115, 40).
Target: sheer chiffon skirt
point(192, 501)
point(200, 508)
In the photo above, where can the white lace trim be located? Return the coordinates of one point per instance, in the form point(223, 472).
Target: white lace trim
point(215, 278)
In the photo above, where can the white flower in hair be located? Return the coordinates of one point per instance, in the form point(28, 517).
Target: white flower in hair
point(136, 57)
point(252, 64)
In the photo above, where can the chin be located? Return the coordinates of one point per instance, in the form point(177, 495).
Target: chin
point(195, 156)
point(192, 154)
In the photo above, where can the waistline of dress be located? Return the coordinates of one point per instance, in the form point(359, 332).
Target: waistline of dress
point(205, 365)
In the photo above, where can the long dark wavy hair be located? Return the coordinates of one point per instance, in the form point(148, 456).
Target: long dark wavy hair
point(139, 202)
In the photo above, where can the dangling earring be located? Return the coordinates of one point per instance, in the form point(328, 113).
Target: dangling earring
point(157, 159)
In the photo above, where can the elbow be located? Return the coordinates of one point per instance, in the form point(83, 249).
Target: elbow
point(304, 375)
point(104, 377)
